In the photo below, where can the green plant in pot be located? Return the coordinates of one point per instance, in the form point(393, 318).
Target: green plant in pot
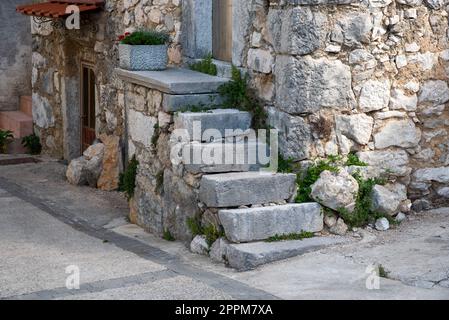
point(144, 50)
point(33, 144)
point(6, 137)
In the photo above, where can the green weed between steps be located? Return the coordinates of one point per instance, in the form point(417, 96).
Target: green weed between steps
point(292, 236)
point(238, 94)
point(209, 231)
point(127, 182)
point(167, 236)
point(205, 65)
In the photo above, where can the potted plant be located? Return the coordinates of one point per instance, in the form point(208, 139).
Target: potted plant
point(143, 50)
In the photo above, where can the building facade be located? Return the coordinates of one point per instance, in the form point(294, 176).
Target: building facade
point(335, 77)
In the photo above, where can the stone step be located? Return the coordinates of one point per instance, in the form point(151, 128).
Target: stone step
point(246, 188)
point(26, 105)
point(225, 122)
point(255, 224)
point(248, 256)
point(186, 102)
point(220, 157)
point(18, 122)
point(174, 80)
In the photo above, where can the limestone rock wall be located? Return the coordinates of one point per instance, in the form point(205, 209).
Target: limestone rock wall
point(341, 76)
point(57, 57)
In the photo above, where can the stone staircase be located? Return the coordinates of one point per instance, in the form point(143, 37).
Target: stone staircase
point(20, 122)
point(253, 205)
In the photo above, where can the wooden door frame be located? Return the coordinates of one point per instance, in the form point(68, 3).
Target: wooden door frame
point(85, 64)
point(219, 54)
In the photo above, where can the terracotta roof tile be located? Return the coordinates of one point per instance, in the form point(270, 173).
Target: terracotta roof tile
point(57, 8)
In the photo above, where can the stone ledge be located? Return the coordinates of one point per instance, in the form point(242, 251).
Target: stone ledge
point(173, 80)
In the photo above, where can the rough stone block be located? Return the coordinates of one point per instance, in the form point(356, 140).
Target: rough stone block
point(247, 256)
point(218, 157)
point(307, 85)
point(236, 189)
point(182, 102)
point(254, 224)
point(220, 123)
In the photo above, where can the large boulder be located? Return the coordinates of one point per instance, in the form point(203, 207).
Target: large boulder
point(384, 200)
point(76, 173)
point(86, 169)
point(336, 190)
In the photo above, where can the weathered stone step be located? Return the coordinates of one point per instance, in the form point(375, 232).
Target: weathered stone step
point(174, 80)
point(185, 102)
point(223, 122)
point(219, 157)
point(248, 256)
point(246, 188)
point(255, 224)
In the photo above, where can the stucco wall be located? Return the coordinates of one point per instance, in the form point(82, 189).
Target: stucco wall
point(15, 55)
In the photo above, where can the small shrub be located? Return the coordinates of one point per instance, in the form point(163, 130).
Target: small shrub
point(128, 178)
point(383, 273)
point(150, 37)
point(353, 160)
point(33, 144)
point(205, 66)
point(363, 214)
point(285, 166)
point(291, 236)
point(6, 137)
point(237, 94)
point(211, 233)
point(194, 225)
point(168, 236)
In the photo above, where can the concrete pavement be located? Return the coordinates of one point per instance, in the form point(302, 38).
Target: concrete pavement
point(47, 225)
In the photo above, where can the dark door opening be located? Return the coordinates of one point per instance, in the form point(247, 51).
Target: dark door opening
point(88, 118)
point(222, 30)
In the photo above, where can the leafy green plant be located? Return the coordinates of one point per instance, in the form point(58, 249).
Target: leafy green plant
point(353, 160)
point(205, 65)
point(128, 178)
point(292, 236)
point(285, 165)
point(194, 225)
point(6, 137)
point(211, 232)
point(363, 214)
point(149, 37)
point(311, 176)
point(383, 273)
point(168, 236)
point(32, 143)
point(237, 94)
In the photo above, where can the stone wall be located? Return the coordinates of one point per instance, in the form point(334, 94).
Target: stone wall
point(57, 57)
point(349, 76)
point(166, 195)
point(337, 76)
point(15, 55)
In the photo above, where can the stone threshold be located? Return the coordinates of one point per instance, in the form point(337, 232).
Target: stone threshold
point(174, 81)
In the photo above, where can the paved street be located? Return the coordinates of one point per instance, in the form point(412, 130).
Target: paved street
point(47, 225)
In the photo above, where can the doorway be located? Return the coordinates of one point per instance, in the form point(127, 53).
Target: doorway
point(88, 115)
point(222, 30)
